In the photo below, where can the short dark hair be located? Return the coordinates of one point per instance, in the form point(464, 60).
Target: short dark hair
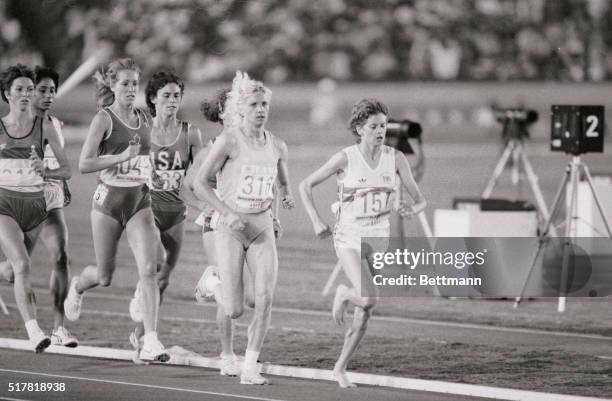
point(213, 109)
point(12, 73)
point(362, 110)
point(46, 72)
point(158, 81)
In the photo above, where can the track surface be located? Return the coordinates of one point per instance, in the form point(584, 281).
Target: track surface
point(87, 379)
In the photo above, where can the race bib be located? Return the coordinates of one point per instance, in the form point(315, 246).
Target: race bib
point(100, 194)
point(369, 206)
point(50, 163)
point(138, 169)
point(172, 180)
point(18, 173)
point(255, 187)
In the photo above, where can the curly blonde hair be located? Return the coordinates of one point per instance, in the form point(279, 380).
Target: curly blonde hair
point(242, 88)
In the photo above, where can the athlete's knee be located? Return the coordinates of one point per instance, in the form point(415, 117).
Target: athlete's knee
point(249, 301)
point(61, 261)
point(263, 302)
point(234, 311)
point(148, 270)
point(21, 266)
point(362, 316)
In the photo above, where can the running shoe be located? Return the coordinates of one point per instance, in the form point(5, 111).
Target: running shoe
point(136, 305)
point(339, 304)
point(40, 341)
point(230, 366)
point(203, 291)
point(253, 378)
point(137, 345)
point(72, 304)
point(153, 350)
point(63, 337)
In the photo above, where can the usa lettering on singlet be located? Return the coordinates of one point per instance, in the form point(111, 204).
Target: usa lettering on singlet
point(246, 183)
point(170, 163)
point(366, 194)
point(137, 170)
point(16, 172)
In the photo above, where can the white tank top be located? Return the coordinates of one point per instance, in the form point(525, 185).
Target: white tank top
point(367, 194)
point(246, 182)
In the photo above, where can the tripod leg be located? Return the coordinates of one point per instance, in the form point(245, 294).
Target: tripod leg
point(597, 201)
point(499, 168)
point(532, 178)
point(518, 299)
point(555, 206)
point(569, 232)
point(516, 169)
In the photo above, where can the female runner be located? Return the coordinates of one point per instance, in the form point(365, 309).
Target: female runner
point(247, 159)
point(117, 146)
point(366, 175)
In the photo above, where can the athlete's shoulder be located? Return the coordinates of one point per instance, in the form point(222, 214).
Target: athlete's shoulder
point(348, 150)
point(147, 118)
point(279, 143)
point(227, 137)
point(389, 150)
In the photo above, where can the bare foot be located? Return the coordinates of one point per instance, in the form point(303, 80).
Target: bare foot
point(340, 303)
point(343, 380)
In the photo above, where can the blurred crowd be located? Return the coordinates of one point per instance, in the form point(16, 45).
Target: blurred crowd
point(288, 40)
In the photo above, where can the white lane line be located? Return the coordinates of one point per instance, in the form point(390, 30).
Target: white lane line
point(306, 312)
point(184, 390)
point(12, 399)
point(405, 383)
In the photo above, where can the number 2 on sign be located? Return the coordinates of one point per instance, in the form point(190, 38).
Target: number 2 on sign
point(593, 122)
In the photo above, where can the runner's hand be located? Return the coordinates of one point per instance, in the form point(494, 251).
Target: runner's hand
point(288, 202)
point(321, 229)
point(278, 229)
point(131, 151)
point(234, 221)
point(36, 164)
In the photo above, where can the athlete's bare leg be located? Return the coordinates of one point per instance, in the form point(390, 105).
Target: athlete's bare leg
point(106, 234)
point(262, 257)
point(171, 243)
point(363, 297)
point(54, 235)
point(16, 246)
point(143, 237)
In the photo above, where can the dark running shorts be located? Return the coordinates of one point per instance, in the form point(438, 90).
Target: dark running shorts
point(121, 203)
point(28, 209)
point(167, 215)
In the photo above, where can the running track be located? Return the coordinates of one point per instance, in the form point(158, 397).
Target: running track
point(87, 379)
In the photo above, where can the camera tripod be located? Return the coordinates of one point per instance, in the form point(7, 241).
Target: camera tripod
point(514, 149)
point(571, 178)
